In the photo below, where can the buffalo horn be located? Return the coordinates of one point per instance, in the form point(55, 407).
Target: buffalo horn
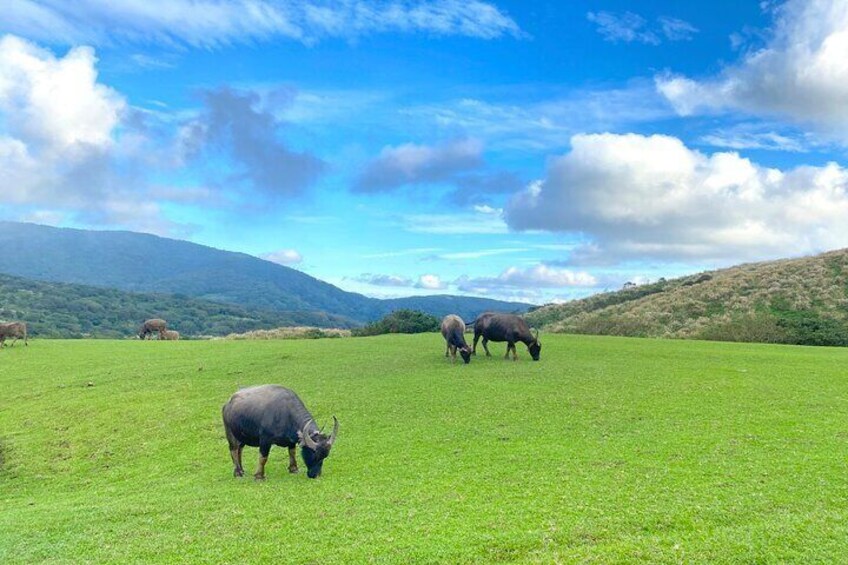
point(335, 431)
point(306, 438)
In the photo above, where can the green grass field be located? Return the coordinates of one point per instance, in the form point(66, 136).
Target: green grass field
point(608, 450)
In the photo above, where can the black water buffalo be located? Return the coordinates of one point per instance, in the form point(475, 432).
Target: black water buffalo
point(16, 330)
point(453, 330)
point(509, 328)
point(266, 415)
point(154, 325)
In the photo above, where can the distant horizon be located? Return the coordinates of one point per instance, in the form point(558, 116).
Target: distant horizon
point(531, 152)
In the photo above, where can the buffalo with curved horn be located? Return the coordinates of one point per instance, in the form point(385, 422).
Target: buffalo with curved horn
point(266, 415)
point(509, 328)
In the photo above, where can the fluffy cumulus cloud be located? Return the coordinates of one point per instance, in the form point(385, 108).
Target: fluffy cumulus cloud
point(801, 73)
point(283, 257)
point(64, 150)
point(430, 282)
point(213, 23)
point(638, 197)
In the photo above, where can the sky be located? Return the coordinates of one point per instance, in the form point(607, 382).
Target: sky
point(525, 150)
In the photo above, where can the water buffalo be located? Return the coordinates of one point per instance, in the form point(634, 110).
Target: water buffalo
point(170, 335)
point(156, 325)
point(16, 330)
point(509, 328)
point(453, 330)
point(266, 415)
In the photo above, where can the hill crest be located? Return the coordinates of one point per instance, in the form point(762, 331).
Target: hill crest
point(802, 300)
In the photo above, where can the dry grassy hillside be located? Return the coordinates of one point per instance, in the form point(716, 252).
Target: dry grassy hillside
point(789, 301)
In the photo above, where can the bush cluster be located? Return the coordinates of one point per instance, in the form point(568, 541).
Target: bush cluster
point(401, 322)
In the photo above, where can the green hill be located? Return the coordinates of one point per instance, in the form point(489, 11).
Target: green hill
point(802, 301)
point(146, 263)
point(73, 310)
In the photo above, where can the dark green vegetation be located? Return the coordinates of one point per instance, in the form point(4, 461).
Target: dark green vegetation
point(401, 322)
point(609, 450)
point(146, 263)
point(798, 301)
point(72, 310)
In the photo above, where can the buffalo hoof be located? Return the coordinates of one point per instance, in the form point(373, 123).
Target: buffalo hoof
point(238, 473)
point(259, 477)
point(293, 470)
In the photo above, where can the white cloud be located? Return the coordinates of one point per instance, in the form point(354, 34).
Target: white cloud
point(486, 209)
point(542, 126)
point(676, 29)
point(629, 27)
point(385, 280)
point(759, 136)
point(640, 197)
point(57, 128)
point(430, 282)
point(626, 27)
point(801, 73)
point(532, 278)
point(56, 103)
point(426, 281)
point(68, 149)
point(215, 23)
point(283, 257)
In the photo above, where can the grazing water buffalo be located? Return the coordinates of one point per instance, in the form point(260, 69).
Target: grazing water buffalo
point(266, 415)
point(453, 330)
point(17, 330)
point(509, 328)
point(171, 335)
point(155, 325)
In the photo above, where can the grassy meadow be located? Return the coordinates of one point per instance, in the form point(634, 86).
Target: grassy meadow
point(608, 450)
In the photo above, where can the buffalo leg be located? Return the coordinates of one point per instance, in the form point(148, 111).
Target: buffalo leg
point(476, 339)
point(447, 349)
point(292, 461)
point(264, 449)
point(235, 453)
point(508, 347)
point(486, 347)
point(453, 353)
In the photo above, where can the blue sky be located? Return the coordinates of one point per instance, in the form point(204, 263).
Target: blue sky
point(524, 150)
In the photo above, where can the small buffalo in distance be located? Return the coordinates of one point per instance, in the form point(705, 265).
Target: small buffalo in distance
point(510, 328)
point(16, 330)
point(154, 325)
point(453, 330)
point(170, 335)
point(266, 415)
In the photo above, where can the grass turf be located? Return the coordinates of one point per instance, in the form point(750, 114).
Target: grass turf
point(607, 450)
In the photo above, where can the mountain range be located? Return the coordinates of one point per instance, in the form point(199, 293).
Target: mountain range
point(143, 263)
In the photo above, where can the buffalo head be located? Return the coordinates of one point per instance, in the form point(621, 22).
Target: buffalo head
point(535, 348)
point(316, 447)
point(465, 352)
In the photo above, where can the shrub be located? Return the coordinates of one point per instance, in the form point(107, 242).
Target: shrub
point(401, 322)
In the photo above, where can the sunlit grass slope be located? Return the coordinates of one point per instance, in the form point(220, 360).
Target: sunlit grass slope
point(607, 450)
